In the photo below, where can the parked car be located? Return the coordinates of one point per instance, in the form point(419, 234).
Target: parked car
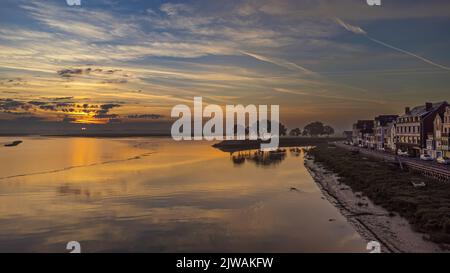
point(426, 157)
point(443, 160)
point(402, 153)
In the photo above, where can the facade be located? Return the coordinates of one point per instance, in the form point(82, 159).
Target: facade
point(381, 125)
point(446, 133)
point(391, 137)
point(348, 135)
point(440, 135)
point(370, 141)
point(361, 131)
point(415, 128)
point(434, 141)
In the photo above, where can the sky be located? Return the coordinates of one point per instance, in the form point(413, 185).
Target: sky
point(128, 62)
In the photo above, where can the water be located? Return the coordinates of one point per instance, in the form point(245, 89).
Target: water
point(157, 195)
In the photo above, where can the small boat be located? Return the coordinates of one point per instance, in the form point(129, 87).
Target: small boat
point(15, 143)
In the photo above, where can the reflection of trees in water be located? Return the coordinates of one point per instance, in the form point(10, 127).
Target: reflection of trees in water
point(296, 151)
point(261, 158)
point(238, 158)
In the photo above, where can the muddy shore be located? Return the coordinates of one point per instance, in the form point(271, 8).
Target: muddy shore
point(372, 222)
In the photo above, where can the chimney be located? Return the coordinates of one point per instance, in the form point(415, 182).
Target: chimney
point(428, 106)
point(407, 110)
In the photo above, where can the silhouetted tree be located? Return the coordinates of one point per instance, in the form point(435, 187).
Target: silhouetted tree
point(295, 132)
point(328, 130)
point(282, 128)
point(315, 128)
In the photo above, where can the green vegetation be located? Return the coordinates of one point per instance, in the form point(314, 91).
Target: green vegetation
point(427, 208)
point(295, 132)
point(317, 128)
point(242, 145)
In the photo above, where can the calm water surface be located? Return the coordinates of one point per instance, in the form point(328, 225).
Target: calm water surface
point(157, 195)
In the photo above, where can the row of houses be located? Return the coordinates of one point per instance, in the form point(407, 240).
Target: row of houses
point(423, 129)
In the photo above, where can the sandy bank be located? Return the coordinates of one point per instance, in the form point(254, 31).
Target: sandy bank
point(371, 221)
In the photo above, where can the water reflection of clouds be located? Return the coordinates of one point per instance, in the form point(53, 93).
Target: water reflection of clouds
point(186, 197)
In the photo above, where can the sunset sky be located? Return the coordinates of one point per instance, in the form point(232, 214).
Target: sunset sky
point(132, 61)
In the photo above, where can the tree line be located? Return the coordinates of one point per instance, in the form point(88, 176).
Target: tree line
point(316, 128)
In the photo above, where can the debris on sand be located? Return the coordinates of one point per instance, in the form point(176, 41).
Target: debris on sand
point(418, 184)
point(14, 143)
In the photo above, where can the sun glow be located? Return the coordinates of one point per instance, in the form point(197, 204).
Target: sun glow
point(90, 121)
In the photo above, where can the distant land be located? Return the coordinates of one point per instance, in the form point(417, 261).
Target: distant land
point(47, 128)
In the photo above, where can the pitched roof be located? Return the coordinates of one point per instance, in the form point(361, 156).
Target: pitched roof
point(421, 110)
point(385, 119)
point(363, 124)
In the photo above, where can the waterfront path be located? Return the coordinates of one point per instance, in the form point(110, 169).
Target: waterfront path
point(433, 169)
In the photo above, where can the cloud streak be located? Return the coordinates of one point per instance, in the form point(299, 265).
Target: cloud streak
point(358, 30)
point(153, 55)
point(280, 62)
point(351, 28)
point(409, 53)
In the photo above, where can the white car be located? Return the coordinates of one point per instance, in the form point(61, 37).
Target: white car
point(426, 157)
point(443, 160)
point(401, 153)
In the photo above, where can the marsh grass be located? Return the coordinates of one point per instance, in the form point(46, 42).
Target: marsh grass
point(427, 209)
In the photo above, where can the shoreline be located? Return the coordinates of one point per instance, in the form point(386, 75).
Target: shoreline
point(372, 222)
point(284, 142)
